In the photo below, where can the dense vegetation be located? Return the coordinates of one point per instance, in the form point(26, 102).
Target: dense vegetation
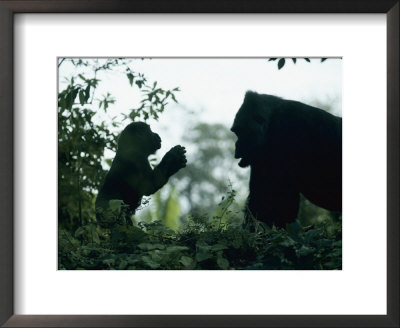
point(165, 236)
point(218, 242)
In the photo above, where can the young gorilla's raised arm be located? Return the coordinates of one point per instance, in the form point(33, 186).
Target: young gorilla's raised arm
point(147, 181)
point(131, 175)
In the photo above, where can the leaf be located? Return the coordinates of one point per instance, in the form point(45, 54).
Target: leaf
point(70, 97)
point(304, 251)
point(287, 242)
point(324, 243)
point(82, 97)
point(109, 262)
point(133, 114)
point(203, 255)
point(61, 103)
point(122, 265)
point(331, 265)
point(294, 60)
point(130, 78)
point(293, 229)
point(311, 235)
point(323, 59)
point(172, 249)
point(203, 251)
point(272, 59)
point(150, 263)
point(132, 259)
point(115, 205)
point(281, 63)
point(108, 161)
point(223, 263)
point(87, 93)
point(186, 261)
point(93, 232)
point(157, 255)
point(139, 83)
point(135, 236)
point(95, 237)
point(218, 247)
point(79, 232)
point(82, 77)
point(307, 59)
point(150, 247)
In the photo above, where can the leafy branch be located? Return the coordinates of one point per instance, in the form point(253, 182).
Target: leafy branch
point(282, 61)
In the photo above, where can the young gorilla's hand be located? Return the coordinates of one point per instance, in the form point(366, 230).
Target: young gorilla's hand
point(175, 159)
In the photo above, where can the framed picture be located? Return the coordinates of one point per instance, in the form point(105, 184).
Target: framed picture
point(208, 248)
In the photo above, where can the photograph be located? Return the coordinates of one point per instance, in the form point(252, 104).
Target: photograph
point(237, 163)
point(199, 163)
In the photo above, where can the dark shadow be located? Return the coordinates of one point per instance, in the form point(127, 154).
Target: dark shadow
point(292, 148)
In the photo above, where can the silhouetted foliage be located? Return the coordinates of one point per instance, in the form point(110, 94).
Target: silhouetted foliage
point(282, 61)
point(292, 148)
point(202, 243)
point(131, 176)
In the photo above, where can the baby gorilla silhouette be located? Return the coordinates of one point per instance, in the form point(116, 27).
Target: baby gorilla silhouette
point(131, 176)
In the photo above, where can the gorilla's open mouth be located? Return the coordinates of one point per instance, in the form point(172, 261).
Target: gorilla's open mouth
point(243, 162)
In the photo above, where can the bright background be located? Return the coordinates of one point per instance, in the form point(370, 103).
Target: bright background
point(360, 39)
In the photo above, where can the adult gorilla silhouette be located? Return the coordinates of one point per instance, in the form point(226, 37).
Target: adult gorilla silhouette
point(292, 148)
point(131, 176)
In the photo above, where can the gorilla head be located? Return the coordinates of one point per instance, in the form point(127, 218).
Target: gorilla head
point(251, 125)
point(136, 138)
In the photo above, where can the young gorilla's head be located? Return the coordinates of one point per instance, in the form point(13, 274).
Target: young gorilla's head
point(251, 125)
point(137, 138)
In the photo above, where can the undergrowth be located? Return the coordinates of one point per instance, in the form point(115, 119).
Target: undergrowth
point(202, 244)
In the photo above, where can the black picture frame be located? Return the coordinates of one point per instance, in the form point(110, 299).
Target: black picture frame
point(7, 10)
